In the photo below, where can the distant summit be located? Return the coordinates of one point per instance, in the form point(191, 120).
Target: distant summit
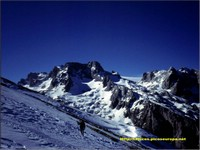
point(70, 76)
point(183, 82)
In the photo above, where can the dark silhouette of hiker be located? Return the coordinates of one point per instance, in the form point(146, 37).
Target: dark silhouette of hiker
point(82, 126)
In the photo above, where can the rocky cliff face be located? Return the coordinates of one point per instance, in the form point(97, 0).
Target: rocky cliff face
point(34, 79)
point(171, 122)
point(183, 82)
point(161, 118)
point(164, 122)
point(165, 103)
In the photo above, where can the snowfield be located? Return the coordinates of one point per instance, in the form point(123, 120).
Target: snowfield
point(46, 107)
point(33, 121)
point(28, 123)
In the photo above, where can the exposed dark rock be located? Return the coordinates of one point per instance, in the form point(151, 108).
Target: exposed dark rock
point(128, 104)
point(108, 83)
point(183, 83)
point(122, 97)
point(127, 113)
point(147, 76)
point(95, 70)
point(120, 104)
point(77, 69)
point(68, 84)
point(95, 66)
point(172, 69)
point(54, 72)
point(195, 108)
point(170, 79)
point(33, 79)
point(106, 79)
point(115, 97)
point(22, 82)
point(165, 123)
point(54, 82)
point(75, 66)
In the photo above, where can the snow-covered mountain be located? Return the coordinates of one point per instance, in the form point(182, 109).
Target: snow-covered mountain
point(32, 121)
point(163, 103)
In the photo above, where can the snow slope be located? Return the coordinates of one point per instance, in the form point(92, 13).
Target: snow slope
point(135, 79)
point(28, 123)
point(97, 101)
point(34, 121)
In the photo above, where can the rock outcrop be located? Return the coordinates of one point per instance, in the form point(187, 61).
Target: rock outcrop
point(166, 123)
point(183, 82)
point(33, 79)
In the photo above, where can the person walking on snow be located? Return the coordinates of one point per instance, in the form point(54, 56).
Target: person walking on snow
point(82, 126)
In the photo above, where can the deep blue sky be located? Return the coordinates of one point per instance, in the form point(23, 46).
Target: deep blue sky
point(128, 37)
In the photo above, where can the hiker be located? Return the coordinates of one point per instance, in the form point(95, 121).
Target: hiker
point(82, 126)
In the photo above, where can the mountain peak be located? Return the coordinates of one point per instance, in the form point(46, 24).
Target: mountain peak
point(172, 93)
point(95, 65)
point(69, 75)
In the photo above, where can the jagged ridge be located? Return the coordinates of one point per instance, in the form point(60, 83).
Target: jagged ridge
point(161, 101)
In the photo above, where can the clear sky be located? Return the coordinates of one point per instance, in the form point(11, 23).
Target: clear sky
point(128, 37)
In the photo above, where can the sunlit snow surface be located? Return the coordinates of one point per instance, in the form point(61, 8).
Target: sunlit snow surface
point(135, 79)
point(97, 101)
point(88, 99)
point(28, 123)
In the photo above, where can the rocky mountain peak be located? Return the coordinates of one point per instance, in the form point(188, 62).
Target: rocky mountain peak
point(94, 65)
point(69, 74)
point(34, 78)
point(172, 70)
point(165, 100)
point(148, 76)
point(181, 82)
